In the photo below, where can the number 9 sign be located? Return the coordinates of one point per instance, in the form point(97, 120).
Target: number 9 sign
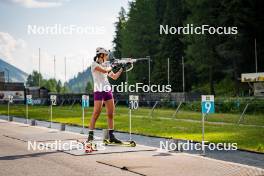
point(208, 104)
point(133, 102)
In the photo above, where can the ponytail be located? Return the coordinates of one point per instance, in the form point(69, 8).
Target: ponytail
point(97, 56)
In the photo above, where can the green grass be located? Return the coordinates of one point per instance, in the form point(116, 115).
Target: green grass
point(162, 124)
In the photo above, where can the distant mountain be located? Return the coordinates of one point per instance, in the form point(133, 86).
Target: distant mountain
point(79, 82)
point(15, 74)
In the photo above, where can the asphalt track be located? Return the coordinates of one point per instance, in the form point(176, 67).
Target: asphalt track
point(16, 159)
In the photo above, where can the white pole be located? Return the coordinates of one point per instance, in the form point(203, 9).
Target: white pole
point(54, 60)
point(27, 113)
point(149, 76)
point(50, 115)
point(148, 69)
point(127, 77)
point(130, 138)
point(256, 56)
point(65, 70)
point(83, 72)
point(203, 134)
point(39, 67)
point(83, 64)
point(168, 71)
point(8, 110)
point(183, 79)
point(82, 132)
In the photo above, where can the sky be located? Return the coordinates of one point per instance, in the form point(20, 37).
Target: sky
point(70, 29)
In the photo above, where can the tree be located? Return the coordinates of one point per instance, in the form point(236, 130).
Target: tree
point(59, 87)
point(201, 49)
point(211, 60)
point(65, 89)
point(171, 47)
point(119, 25)
point(140, 37)
point(50, 84)
point(29, 80)
point(33, 79)
point(89, 87)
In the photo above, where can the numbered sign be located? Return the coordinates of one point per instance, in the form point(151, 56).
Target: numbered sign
point(133, 101)
point(29, 99)
point(208, 106)
point(53, 99)
point(10, 98)
point(85, 101)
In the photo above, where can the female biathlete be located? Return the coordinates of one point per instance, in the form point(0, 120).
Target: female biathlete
point(103, 93)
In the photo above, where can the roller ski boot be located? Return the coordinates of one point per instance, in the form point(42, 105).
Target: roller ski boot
point(114, 141)
point(90, 136)
point(88, 145)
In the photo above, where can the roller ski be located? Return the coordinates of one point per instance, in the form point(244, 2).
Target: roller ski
point(88, 145)
point(114, 141)
point(122, 143)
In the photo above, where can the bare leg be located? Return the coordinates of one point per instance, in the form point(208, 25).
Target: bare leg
point(96, 113)
point(110, 109)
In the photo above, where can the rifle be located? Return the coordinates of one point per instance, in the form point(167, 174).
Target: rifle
point(126, 63)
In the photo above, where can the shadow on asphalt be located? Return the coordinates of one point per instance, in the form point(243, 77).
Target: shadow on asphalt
point(32, 155)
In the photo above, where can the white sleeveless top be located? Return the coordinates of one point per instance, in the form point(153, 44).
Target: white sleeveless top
point(100, 79)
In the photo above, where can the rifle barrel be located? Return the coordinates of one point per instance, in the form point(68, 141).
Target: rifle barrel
point(138, 59)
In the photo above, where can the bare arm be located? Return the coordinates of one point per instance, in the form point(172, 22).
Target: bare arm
point(103, 70)
point(116, 75)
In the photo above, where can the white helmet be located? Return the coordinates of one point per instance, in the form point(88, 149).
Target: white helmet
point(100, 50)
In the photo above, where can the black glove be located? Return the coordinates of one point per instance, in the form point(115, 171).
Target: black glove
point(126, 66)
point(117, 67)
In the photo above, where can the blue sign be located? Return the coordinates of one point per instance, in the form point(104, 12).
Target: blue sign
point(85, 101)
point(29, 99)
point(208, 106)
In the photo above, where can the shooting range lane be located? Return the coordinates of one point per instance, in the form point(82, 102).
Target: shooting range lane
point(47, 136)
point(109, 149)
point(39, 134)
point(242, 157)
point(180, 164)
point(17, 160)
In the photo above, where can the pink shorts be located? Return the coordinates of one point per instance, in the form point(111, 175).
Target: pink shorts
point(103, 96)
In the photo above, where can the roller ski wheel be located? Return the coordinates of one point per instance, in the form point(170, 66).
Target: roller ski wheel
point(123, 143)
point(132, 143)
point(88, 146)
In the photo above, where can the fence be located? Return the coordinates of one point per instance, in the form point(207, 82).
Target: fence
point(177, 106)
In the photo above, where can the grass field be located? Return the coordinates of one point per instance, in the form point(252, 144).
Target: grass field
point(186, 125)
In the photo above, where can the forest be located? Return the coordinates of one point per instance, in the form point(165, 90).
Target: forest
point(213, 63)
